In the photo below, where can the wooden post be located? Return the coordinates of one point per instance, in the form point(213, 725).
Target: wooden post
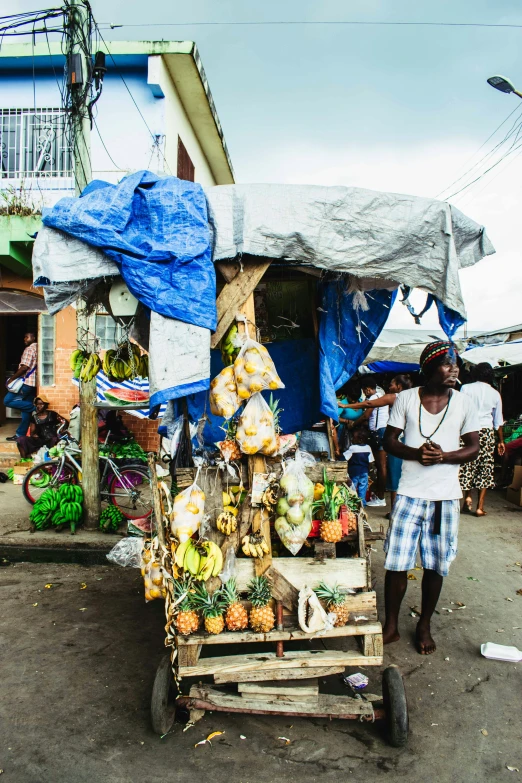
point(156, 498)
point(89, 424)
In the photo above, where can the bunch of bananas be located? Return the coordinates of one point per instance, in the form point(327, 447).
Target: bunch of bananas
point(85, 365)
point(69, 511)
point(229, 351)
point(44, 509)
point(254, 545)
point(202, 559)
point(226, 522)
point(125, 362)
point(110, 519)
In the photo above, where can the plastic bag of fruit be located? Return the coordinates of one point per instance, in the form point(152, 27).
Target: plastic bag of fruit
point(187, 512)
point(224, 400)
point(254, 370)
point(294, 507)
point(152, 575)
point(256, 430)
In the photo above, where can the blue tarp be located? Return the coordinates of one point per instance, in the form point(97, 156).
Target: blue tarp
point(296, 362)
point(397, 367)
point(346, 336)
point(156, 230)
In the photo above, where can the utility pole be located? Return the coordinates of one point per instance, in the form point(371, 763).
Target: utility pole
point(79, 68)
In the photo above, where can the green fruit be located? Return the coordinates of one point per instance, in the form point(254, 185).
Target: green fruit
point(282, 507)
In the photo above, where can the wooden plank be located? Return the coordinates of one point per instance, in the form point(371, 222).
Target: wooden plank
point(234, 294)
point(282, 589)
point(239, 664)
point(305, 571)
point(288, 635)
point(300, 688)
point(156, 500)
point(371, 644)
point(324, 550)
point(229, 269)
point(360, 533)
point(326, 704)
point(281, 675)
point(335, 471)
point(188, 655)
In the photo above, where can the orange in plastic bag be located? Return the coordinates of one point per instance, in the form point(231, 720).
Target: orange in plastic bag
point(224, 399)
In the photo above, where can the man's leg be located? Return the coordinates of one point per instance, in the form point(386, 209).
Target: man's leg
point(380, 464)
point(395, 584)
point(431, 587)
point(26, 405)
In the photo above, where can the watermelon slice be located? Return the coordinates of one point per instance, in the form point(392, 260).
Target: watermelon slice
point(126, 396)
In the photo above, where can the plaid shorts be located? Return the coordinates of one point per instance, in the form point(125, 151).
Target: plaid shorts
point(412, 520)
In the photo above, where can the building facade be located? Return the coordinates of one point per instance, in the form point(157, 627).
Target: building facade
point(155, 112)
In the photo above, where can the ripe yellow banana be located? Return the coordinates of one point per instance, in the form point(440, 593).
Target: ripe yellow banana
point(180, 552)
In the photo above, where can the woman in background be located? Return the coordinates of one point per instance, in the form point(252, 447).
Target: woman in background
point(488, 402)
point(43, 430)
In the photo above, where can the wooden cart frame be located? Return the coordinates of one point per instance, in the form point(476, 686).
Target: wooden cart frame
point(272, 671)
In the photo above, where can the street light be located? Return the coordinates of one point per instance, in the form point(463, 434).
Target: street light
point(503, 84)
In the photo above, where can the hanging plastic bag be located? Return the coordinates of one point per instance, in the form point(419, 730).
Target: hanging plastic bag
point(256, 431)
point(294, 507)
point(229, 569)
point(187, 513)
point(224, 400)
point(254, 370)
point(127, 553)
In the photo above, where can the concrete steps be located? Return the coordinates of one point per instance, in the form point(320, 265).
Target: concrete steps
point(9, 454)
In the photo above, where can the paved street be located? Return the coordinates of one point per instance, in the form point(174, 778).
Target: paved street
point(78, 666)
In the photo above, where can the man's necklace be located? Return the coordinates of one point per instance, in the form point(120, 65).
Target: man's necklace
point(429, 437)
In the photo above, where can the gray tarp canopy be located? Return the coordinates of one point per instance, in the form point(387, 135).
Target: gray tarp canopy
point(388, 237)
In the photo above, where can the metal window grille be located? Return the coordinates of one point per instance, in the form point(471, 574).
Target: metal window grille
point(34, 143)
point(108, 332)
point(47, 345)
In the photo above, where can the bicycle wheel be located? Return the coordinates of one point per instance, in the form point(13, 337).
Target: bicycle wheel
point(131, 492)
point(47, 474)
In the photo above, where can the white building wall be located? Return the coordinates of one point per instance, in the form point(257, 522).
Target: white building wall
point(121, 133)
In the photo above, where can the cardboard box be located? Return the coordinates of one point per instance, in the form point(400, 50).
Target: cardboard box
point(21, 470)
point(514, 491)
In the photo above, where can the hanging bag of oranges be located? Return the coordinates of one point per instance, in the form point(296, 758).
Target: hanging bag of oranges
point(224, 400)
point(254, 370)
point(256, 432)
point(187, 513)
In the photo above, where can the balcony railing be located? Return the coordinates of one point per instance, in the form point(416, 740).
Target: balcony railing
point(34, 144)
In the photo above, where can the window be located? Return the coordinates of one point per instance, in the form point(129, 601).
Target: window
point(108, 331)
point(34, 143)
point(185, 166)
point(46, 345)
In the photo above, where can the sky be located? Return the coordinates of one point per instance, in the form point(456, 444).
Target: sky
point(397, 108)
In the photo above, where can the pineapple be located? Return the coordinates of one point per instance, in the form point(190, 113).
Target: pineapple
point(328, 505)
point(229, 449)
point(331, 530)
point(335, 602)
point(262, 618)
point(236, 617)
point(187, 620)
point(211, 607)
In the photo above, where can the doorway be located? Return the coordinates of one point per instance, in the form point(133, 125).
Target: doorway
point(12, 330)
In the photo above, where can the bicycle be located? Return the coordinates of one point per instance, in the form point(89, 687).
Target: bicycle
point(127, 487)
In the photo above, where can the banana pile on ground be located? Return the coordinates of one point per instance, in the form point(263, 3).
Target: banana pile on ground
point(110, 519)
point(85, 365)
point(254, 545)
point(58, 507)
point(201, 559)
point(125, 362)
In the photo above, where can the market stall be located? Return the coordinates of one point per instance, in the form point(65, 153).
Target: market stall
point(256, 544)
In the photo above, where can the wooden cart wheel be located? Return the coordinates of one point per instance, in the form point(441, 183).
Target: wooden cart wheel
point(396, 707)
point(163, 701)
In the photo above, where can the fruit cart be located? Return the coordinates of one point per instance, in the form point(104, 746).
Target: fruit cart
point(282, 680)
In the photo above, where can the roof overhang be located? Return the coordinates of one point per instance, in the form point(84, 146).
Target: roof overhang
point(185, 68)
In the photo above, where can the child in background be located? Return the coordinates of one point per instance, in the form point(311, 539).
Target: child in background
point(359, 456)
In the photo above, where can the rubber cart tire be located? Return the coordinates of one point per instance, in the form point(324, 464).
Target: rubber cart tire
point(163, 701)
point(395, 706)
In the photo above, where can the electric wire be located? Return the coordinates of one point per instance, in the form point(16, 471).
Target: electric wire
point(104, 146)
point(483, 174)
point(355, 23)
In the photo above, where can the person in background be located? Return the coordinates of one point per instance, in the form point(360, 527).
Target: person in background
point(43, 430)
point(359, 456)
point(347, 416)
point(377, 420)
point(479, 474)
point(435, 419)
point(393, 464)
point(23, 400)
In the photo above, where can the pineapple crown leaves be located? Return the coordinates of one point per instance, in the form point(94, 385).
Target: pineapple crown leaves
point(230, 591)
point(184, 594)
point(276, 410)
point(209, 605)
point(333, 497)
point(330, 594)
point(259, 591)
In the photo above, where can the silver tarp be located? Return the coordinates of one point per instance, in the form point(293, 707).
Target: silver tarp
point(406, 239)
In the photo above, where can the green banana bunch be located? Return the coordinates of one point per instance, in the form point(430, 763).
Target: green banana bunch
point(110, 519)
point(203, 559)
point(76, 362)
point(228, 350)
point(44, 509)
point(68, 509)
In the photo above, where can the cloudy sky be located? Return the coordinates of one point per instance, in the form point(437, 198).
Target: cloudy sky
point(401, 108)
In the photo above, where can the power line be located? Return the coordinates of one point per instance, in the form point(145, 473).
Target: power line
point(110, 26)
point(506, 155)
point(104, 146)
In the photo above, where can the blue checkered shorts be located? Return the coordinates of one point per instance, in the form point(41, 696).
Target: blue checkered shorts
point(412, 521)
